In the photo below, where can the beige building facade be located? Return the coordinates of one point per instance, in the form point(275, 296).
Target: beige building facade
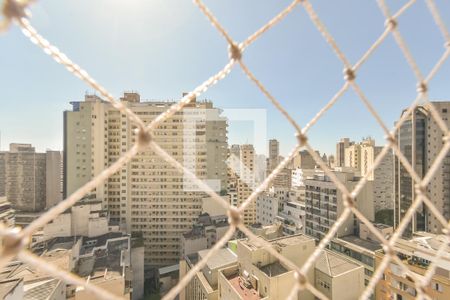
point(416, 253)
point(31, 181)
point(147, 195)
point(324, 204)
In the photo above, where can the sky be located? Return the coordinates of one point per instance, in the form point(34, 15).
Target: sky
point(162, 48)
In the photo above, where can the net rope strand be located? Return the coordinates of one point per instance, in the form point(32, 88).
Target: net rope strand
point(16, 241)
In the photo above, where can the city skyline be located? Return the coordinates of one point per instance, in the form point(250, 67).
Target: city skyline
point(225, 149)
point(127, 54)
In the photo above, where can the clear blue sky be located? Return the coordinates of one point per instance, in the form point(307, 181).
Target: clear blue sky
point(162, 48)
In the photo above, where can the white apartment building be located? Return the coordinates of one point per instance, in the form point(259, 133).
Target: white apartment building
point(361, 158)
point(292, 217)
point(325, 204)
point(147, 195)
point(270, 202)
point(266, 208)
point(300, 175)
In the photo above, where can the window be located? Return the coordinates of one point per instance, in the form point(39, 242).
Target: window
point(437, 287)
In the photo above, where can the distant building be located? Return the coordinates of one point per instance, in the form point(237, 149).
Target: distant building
point(113, 261)
point(337, 277)
point(303, 160)
point(204, 285)
point(269, 203)
point(246, 270)
point(325, 204)
point(85, 218)
point(420, 134)
point(259, 275)
point(241, 180)
point(147, 195)
point(416, 253)
point(204, 234)
point(300, 175)
point(341, 146)
point(292, 218)
point(260, 168)
point(30, 181)
point(361, 157)
point(361, 249)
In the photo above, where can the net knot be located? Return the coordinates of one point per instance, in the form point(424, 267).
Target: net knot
point(12, 241)
point(144, 138)
point(390, 138)
point(13, 9)
point(349, 74)
point(391, 23)
point(234, 216)
point(422, 88)
point(302, 280)
point(446, 138)
point(420, 189)
point(234, 52)
point(349, 201)
point(388, 250)
point(302, 139)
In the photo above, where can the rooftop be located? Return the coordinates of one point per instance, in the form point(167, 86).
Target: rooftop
point(274, 269)
point(291, 240)
point(221, 258)
point(333, 264)
point(356, 241)
point(6, 286)
point(41, 289)
point(246, 292)
point(90, 242)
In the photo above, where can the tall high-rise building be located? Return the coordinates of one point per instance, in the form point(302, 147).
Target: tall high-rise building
point(361, 157)
point(274, 155)
point(30, 181)
point(420, 135)
point(343, 144)
point(247, 157)
point(274, 149)
point(147, 195)
point(241, 179)
point(283, 179)
point(303, 160)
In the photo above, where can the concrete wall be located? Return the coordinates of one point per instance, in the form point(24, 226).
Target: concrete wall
point(80, 218)
point(190, 246)
point(53, 178)
point(137, 265)
point(212, 207)
point(348, 286)
point(59, 293)
point(16, 293)
point(59, 227)
point(97, 226)
point(114, 285)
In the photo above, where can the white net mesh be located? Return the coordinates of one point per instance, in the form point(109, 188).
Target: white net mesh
point(15, 241)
